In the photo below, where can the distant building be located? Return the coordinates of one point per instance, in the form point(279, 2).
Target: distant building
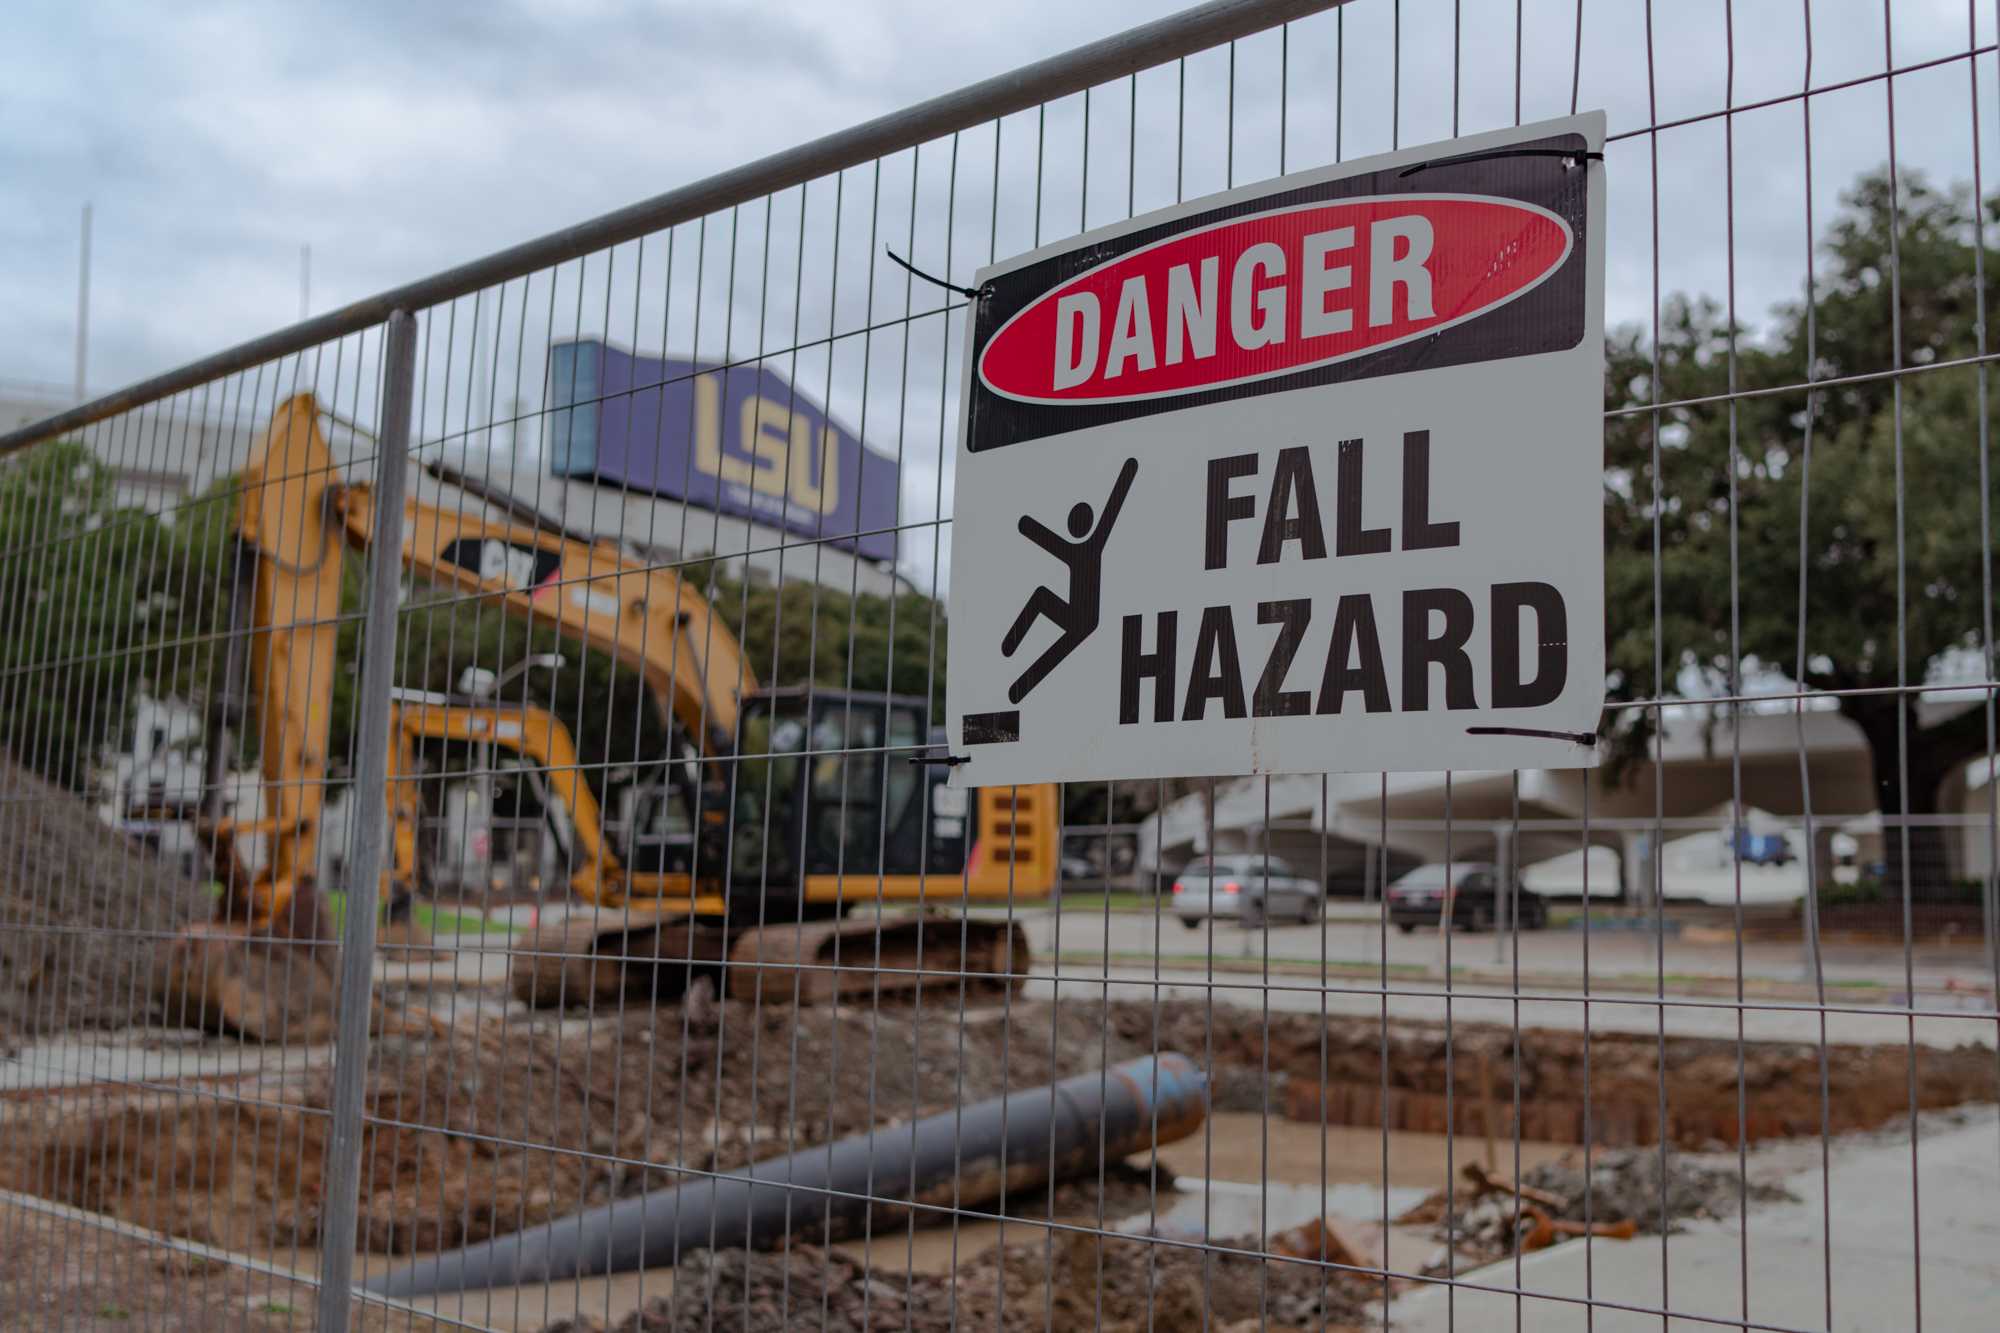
point(162, 457)
point(692, 459)
point(609, 466)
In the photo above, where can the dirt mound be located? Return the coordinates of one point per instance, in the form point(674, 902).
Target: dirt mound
point(1075, 1281)
point(82, 913)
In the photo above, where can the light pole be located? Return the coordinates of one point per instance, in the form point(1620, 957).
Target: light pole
point(83, 305)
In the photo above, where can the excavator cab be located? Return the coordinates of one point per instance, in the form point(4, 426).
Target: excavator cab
point(827, 804)
point(824, 787)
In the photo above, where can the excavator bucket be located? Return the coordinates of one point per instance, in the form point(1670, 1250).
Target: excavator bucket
point(272, 983)
point(224, 979)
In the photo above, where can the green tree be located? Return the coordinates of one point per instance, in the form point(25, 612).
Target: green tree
point(806, 633)
point(1873, 619)
point(103, 602)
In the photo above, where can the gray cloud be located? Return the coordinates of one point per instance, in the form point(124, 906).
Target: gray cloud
point(216, 138)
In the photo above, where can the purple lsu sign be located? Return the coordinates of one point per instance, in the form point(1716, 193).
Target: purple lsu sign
point(740, 440)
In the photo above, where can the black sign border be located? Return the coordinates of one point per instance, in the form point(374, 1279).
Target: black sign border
point(1549, 318)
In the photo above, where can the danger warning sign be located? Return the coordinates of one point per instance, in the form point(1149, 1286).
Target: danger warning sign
point(1303, 477)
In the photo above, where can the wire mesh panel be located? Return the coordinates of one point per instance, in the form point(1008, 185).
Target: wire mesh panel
point(474, 852)
point(168, 772)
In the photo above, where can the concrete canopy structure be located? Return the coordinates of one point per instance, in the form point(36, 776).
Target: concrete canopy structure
point(1810, 770)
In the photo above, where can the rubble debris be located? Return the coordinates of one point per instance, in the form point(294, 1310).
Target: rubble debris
point(82, 910)
point(1070, 1280)
point(1628, 1184)
point(1331, 1240)
point(1485, 1182)
point(1621, 1195)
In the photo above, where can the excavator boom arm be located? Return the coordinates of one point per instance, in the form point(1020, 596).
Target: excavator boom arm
point(647, 618)
point(295, 514)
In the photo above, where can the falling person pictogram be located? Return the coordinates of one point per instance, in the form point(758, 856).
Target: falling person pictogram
point(1076, 615)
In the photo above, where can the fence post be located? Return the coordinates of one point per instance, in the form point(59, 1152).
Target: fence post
point(357, 935)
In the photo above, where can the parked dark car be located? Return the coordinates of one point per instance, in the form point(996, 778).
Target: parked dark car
point(1474, 888)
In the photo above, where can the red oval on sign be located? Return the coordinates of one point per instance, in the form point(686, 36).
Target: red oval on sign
point(1271, 294)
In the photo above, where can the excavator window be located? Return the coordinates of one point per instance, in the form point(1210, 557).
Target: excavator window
point(763, 834)
point(906, 730)
point(846, 795)
point(661, 830)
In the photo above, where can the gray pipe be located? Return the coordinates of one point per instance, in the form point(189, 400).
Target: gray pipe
point(960, 1157)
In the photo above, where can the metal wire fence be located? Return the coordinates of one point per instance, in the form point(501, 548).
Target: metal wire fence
point(466, 860)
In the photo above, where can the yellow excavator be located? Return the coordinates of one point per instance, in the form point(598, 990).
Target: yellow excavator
point(795, 805)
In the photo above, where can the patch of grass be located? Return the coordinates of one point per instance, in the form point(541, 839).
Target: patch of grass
point(112, 1310)
point(1141, 903)
point(275, 1307)
point(436, 920)
point(1235, 963)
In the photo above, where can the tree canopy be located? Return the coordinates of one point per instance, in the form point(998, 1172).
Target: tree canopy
point(1875, 478)
point(98, 602)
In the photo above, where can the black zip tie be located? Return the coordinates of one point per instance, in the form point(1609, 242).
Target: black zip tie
point(976, 293)
point(1573, 737)
point(1569, 156)
point(948, 760)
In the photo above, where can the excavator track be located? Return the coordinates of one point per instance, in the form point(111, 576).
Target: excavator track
point(886, 957)
point(637, 954)
point(603, 955)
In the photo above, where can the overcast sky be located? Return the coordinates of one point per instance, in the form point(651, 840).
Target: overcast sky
point(214, 139)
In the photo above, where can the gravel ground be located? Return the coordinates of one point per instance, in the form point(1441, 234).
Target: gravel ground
point(1079, 1281)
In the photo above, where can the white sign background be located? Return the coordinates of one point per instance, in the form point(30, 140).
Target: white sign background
point(1516, 460)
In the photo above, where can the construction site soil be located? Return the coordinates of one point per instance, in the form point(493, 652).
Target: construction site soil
point(82, 913)
point(514, 1120)
point(485, 1118)
point(481, 1133)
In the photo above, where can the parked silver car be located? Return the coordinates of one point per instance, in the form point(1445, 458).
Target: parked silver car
point(1251, 887)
